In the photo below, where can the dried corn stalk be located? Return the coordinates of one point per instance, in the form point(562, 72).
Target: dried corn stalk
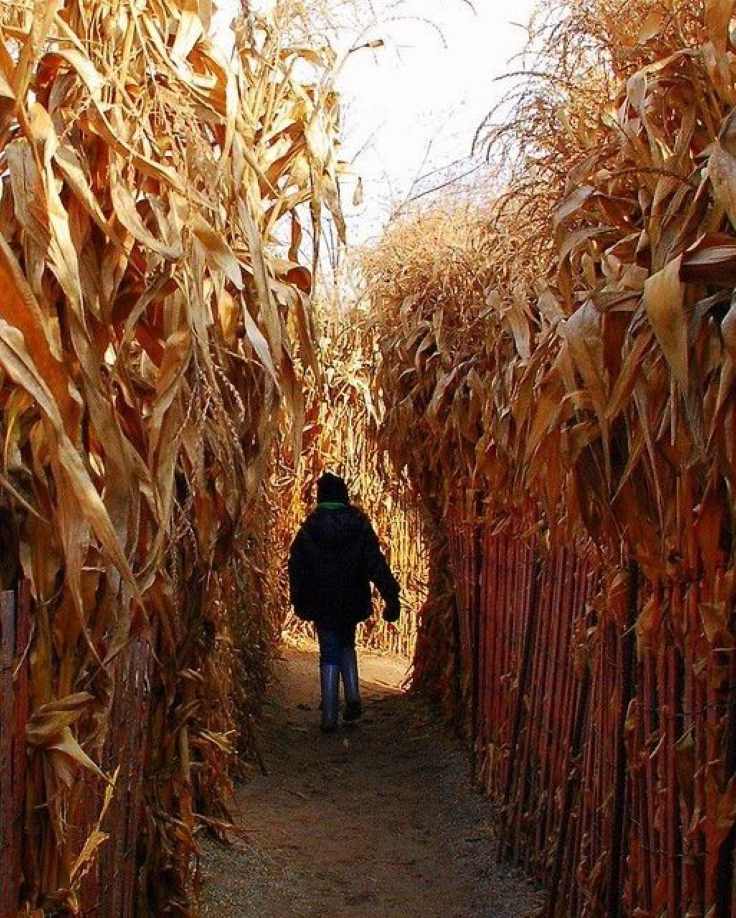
point(565, 357)
point(144, 349)
point(570, 343)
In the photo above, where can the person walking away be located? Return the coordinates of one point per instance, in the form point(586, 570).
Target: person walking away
point(334, 558)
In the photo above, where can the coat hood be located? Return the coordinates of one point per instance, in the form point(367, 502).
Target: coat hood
point(332, 488)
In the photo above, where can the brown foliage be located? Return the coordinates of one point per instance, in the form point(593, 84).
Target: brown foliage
point(144, 351)
point(562, 360)
point(571, 343)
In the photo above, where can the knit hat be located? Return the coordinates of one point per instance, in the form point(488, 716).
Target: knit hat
point(332, 488)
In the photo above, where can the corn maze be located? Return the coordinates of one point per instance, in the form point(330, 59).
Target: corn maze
point(536, 404)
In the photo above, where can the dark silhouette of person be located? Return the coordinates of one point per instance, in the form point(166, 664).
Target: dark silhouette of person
point(333, 561)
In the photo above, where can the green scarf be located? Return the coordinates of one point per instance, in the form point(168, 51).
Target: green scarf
point(331, 505)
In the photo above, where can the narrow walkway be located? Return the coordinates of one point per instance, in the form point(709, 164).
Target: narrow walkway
point(378, 820)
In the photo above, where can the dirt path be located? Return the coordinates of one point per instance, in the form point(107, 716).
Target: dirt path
point(378, 820)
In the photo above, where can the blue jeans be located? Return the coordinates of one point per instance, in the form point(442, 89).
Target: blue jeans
point(332, 642)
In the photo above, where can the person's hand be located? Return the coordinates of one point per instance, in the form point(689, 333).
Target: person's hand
point(392, 611)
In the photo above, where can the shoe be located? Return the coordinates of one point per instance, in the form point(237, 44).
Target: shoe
point(330, 683)
point(353, 711)
point(351, 685)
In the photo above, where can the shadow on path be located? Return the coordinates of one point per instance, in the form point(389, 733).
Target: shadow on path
point(377, 820)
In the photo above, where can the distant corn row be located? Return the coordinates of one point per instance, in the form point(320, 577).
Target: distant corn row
point(148, 321)
point(340, 436)
point(558, 371)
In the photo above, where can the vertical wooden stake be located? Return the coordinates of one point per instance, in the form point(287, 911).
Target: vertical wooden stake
point(619, 827)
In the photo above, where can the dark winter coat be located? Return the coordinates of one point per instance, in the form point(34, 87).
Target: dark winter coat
point(333, 561)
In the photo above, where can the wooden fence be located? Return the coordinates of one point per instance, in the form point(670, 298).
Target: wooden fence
point(108, 887)
point(602, 710)
point(14, 635)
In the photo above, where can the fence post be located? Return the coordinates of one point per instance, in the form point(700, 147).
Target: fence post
point(9, 776)
point(504, 848)
point(619, 823)
point(475, 593)
point(572, 786)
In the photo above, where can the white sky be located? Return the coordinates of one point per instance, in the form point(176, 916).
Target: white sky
point(422, 88)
